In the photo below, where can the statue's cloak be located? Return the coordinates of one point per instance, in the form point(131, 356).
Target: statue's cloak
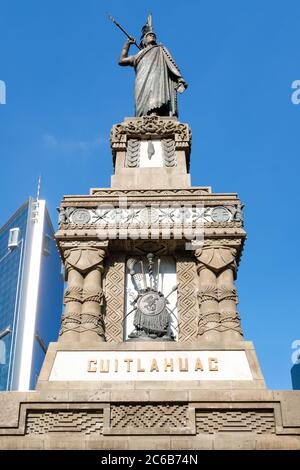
point(156, 81)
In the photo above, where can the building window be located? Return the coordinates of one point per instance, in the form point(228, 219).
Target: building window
point(2, 352)
point(13, 237)
point(47, 245)
point(3, 333)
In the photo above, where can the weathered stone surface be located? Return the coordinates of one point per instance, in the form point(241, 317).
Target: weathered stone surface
point(150, 414)
point(290, 404)
point(175, 384)
point(277, 443)
point(233, 442)
point(222, 420)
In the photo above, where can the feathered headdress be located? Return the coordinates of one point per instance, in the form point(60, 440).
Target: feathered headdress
point(146, 29)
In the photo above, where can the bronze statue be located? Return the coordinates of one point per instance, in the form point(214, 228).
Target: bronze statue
point(158, 78)
point(152, 316)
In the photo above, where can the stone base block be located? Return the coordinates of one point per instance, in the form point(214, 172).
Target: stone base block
point(149, 414)
point(191, 420)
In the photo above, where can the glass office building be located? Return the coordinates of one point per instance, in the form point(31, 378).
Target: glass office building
point(295, 375)
point(31, 287)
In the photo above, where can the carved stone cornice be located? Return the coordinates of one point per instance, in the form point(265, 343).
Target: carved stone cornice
point(69, 244)
point(209, 215)
point(228, 242)
point(149, 127)
point(93, 227)
point(146, 194)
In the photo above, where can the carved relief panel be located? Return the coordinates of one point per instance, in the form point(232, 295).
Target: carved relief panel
point(151, 298)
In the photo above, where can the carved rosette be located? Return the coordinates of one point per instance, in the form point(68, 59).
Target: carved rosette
point(82, 318)
point(217, 296)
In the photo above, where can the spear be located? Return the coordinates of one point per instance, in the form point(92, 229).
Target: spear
point(123, 31)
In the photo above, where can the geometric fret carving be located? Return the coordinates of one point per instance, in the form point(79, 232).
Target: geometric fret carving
point(148, 416)
point(114, 296)
point(258, 421)
point(89, 422)
point(188, 309)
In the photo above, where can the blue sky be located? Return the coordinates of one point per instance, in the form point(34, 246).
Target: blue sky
point(65, 90)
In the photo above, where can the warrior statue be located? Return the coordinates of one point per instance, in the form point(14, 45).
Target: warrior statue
point(158, 78)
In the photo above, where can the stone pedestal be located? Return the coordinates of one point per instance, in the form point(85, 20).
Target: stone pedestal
point(151, 153)
point(200, 389)
point(95, 412)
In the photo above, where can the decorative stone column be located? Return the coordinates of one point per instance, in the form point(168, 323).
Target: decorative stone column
point(228, 299)
point(92, 325)
point(209, 316)
point(82, 319)
point(219, 318)
point(71, 318)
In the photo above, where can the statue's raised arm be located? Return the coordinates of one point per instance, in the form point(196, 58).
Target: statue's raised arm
point(158, 79)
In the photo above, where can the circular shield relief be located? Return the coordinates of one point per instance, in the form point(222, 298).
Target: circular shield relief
point(220, 214)
point(81, 216)
point(151, 303)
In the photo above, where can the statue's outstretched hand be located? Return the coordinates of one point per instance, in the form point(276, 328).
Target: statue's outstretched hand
point(181, 85)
